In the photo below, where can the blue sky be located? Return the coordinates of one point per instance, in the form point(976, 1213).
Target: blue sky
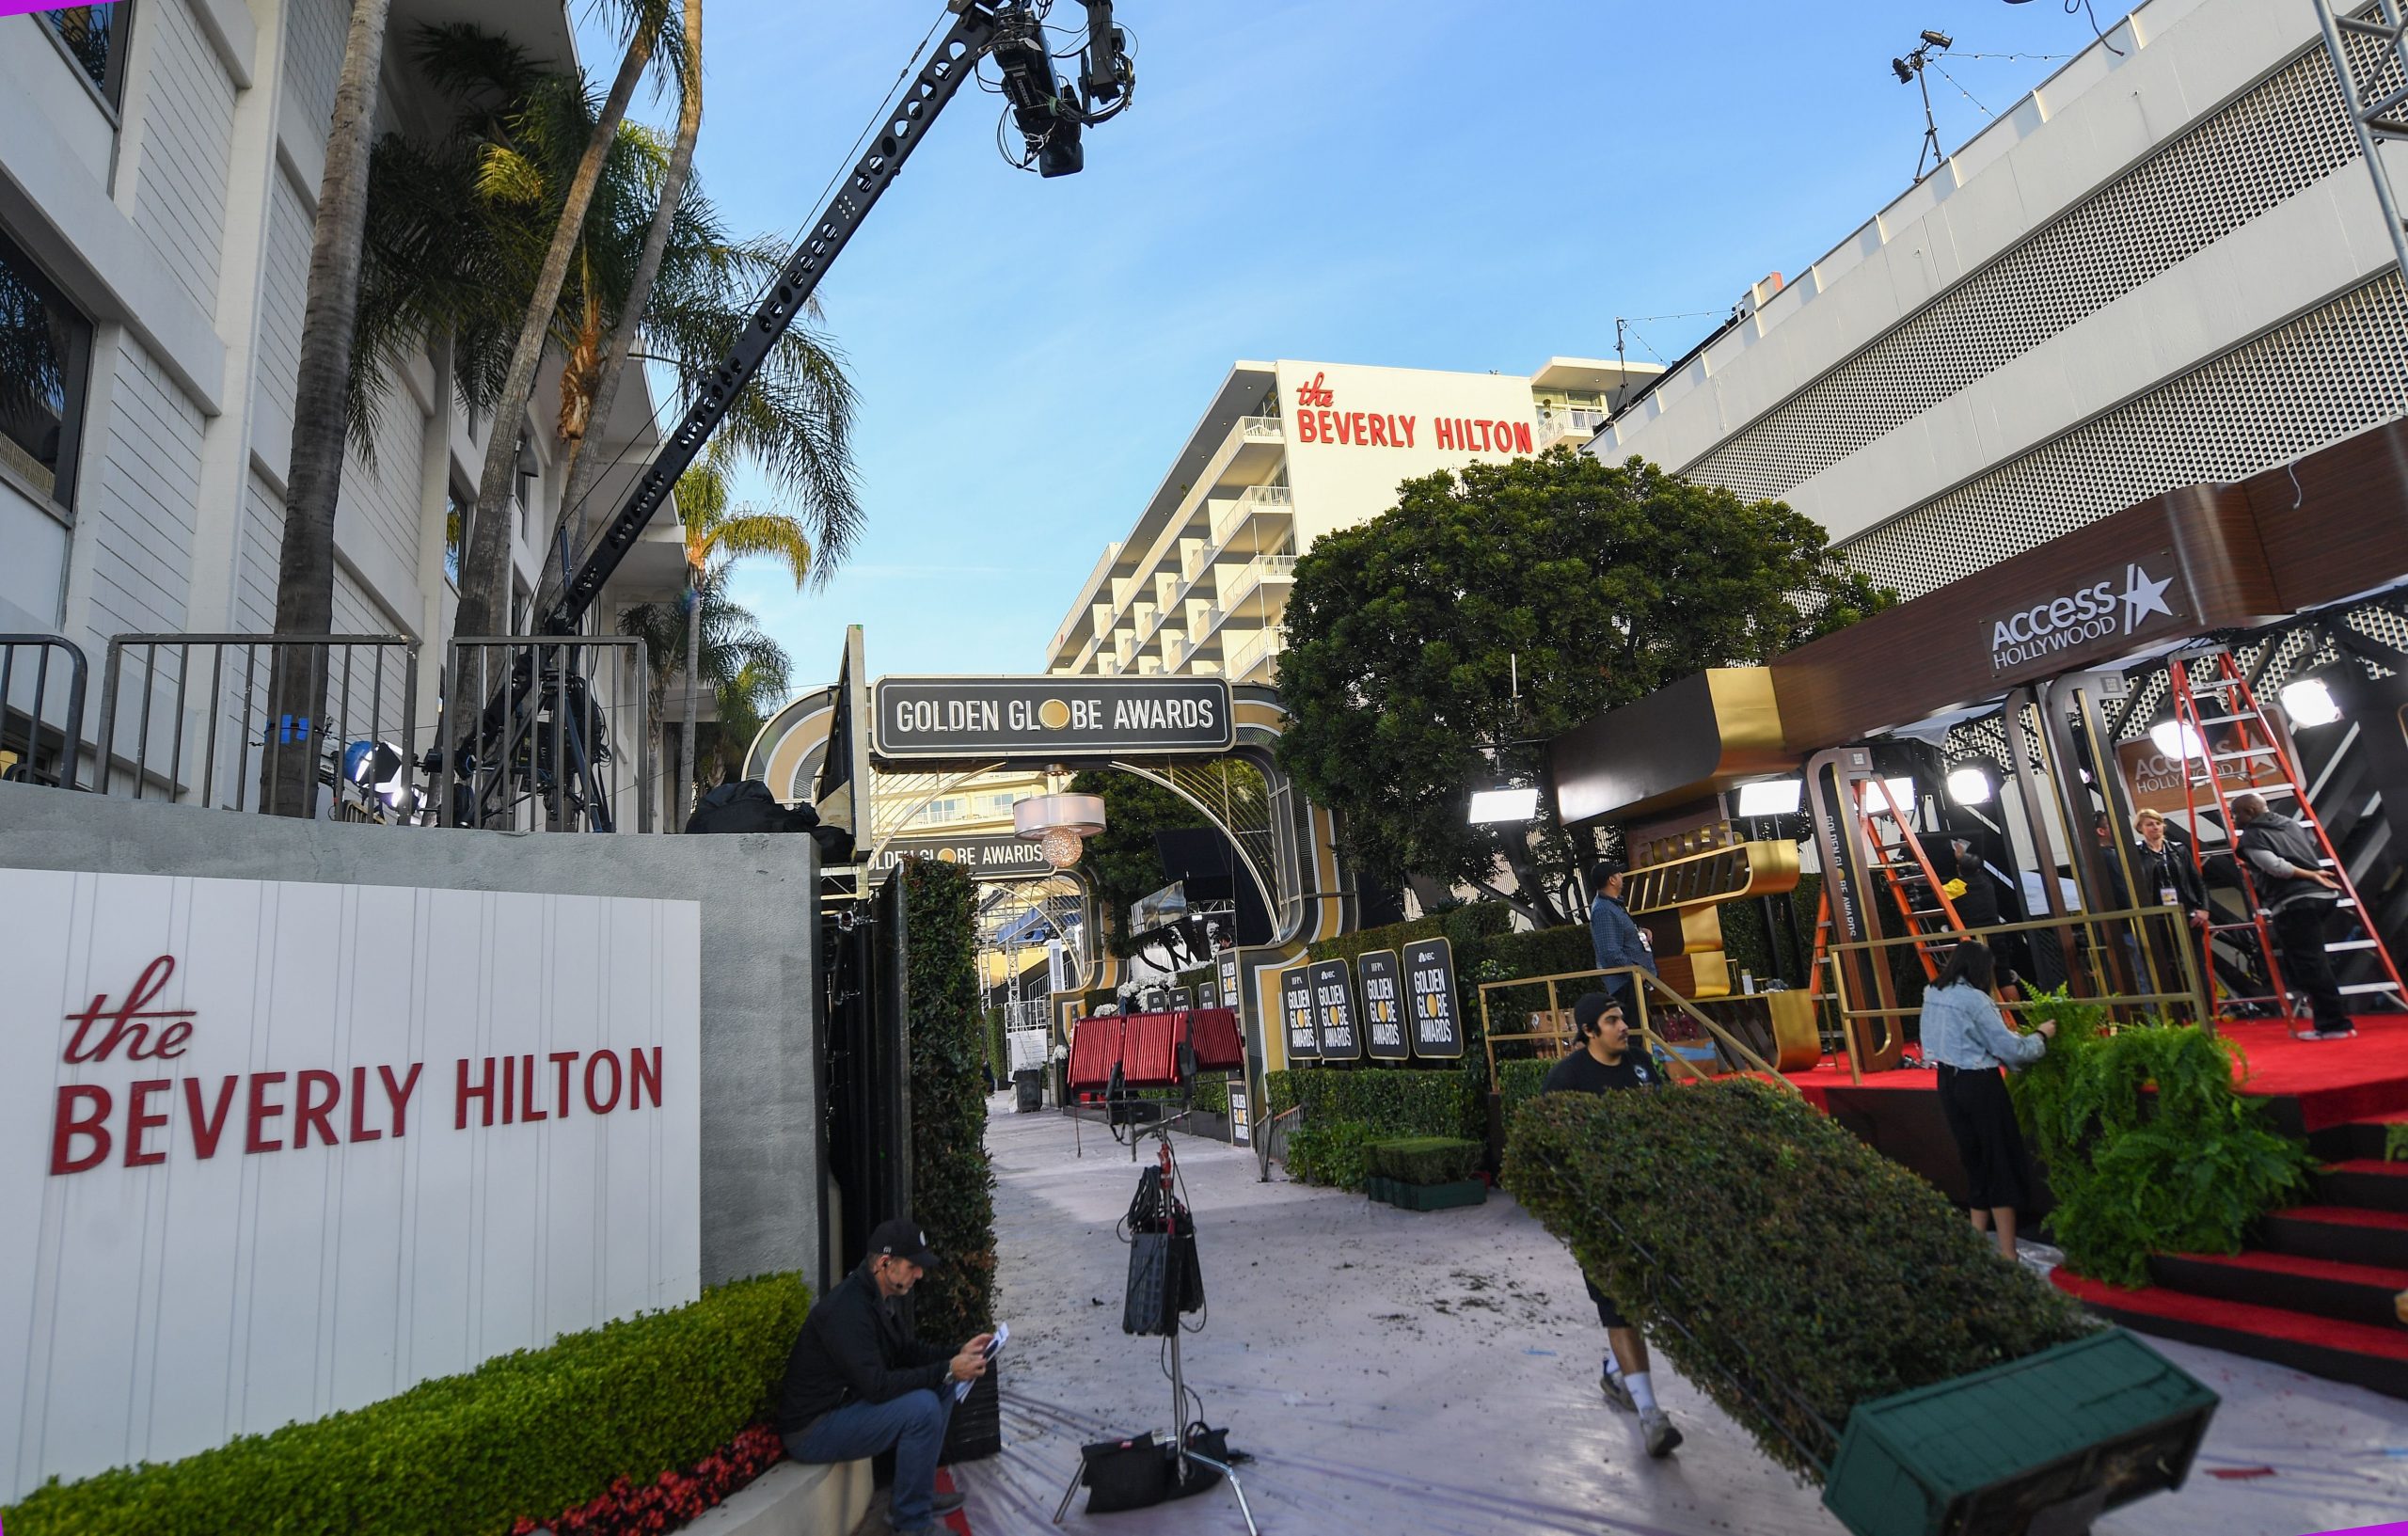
point(1381, 182)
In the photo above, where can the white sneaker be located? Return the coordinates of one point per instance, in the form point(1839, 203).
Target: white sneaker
point(1617, 1395)
point(1662, 1438)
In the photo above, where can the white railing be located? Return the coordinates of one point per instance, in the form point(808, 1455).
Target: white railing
point(1254, 499)
point(1566, 422)
point(1263, 428)
point(1255, 649)
point(1254, 573)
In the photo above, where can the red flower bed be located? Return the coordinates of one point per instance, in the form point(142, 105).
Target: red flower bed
point(673, 1499)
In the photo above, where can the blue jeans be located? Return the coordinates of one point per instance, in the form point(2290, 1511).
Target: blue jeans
point(912, 1424)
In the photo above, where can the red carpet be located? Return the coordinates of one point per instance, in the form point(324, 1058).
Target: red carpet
point(2334, 1082)
point(2268, 1323)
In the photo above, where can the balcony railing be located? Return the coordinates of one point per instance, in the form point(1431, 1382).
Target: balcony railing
point(1255, 573)
point(1567, 421)
point(1255, 649)
point(1254, 499)
point(1263, 429)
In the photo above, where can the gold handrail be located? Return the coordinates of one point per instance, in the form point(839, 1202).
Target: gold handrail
point(1644, 981)
point(2185, 952)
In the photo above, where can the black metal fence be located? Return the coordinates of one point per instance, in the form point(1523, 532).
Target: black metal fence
point(41, 709)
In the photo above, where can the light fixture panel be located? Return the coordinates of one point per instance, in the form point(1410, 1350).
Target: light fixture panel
point(1488, 805)
point(1771, 797)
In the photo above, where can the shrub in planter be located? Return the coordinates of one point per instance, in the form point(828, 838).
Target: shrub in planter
point(2148, 1145)
point(1331, 1152)
point(1425, 1160)
point(524, 1435)
point(1783, 1265)
point(953, 1185)
point(1390, 1100)
point(1517, 1083)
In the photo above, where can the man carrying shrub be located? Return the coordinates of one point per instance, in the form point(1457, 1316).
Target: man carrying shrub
point(858, 1383)
point(1602, 1062)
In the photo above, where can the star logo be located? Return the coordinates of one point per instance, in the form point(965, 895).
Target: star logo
point(2143, 598)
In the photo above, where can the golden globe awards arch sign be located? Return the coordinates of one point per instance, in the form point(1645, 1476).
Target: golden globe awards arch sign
point(985, 719)
point(270, 1151)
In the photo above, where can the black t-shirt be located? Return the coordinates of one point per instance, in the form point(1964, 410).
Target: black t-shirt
point(1582, 1072)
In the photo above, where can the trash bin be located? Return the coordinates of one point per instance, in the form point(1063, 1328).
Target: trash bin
point(1031, 1085)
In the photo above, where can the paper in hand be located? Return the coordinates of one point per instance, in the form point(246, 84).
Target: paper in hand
point(994, 1347)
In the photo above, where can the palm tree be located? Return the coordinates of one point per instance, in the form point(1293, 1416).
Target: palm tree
point(718, 535)
point(707, 635)
point(456, 223)
point(485, 566)
point(305, 583)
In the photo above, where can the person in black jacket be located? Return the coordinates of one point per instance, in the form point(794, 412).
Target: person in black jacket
point(857, 1382)
point(2289, 869)
point(2168, 878)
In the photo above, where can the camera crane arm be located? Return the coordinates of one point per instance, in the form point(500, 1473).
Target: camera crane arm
point(1048, 117)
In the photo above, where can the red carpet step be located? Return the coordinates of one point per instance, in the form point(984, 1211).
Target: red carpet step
point(2360, 1293)
point(2367, 1182)
point(2372, 1357)
point(2347, 1233)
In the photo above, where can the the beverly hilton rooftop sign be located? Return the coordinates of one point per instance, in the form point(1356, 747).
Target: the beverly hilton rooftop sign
point(956, 719)
point(2079, 620)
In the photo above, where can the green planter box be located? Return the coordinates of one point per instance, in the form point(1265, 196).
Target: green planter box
point(1378, 1187)
point(1436, 1196)
point(2038, 1446)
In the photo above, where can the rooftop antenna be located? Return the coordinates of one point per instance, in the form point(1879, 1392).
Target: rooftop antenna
point(1909, 73)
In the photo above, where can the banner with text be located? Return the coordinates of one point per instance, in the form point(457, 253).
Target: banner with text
point(1333, 1002)
point(271, 1151)
point(1048, 719)
point(1297, 1013)
point(1383, 1005)
point(1430, 981)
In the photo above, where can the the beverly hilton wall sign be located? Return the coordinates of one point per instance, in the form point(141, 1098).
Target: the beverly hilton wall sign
point(2103, 609)
point(953, 718)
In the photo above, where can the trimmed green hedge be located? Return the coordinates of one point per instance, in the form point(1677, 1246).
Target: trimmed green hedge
point(1809, 1273)
point(999, 1054)
point(523, 1434)
point(1518, 1082)
point(1386, 1100)
point(1333, 1152)
point(1426, 1160)
point(2149, 1148)
point(953, 1186)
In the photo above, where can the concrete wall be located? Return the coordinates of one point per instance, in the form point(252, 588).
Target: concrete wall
point(763, 1165)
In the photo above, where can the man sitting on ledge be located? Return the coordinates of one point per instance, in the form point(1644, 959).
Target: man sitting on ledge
point(858, 1383)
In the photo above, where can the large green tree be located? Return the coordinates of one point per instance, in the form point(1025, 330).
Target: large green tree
point(1444, 640)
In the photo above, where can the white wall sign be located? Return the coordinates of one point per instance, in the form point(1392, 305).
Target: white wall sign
point(269, 1150)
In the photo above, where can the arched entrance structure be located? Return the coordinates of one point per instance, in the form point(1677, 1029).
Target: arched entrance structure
point(925, 737)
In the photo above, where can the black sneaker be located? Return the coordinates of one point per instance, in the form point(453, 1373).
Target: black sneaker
point(945, 1504)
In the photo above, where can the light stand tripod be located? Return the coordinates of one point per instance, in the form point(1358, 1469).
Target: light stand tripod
point(1909, 69)
point(1159, 1210)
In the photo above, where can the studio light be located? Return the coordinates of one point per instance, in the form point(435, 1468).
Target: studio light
point(1771, 797)
point(1938, 39)
point(2309, 703)
point(2176, 740)
point(1969, 787)
point(1902, 795)
point(1904, 71)
point(1489, 805)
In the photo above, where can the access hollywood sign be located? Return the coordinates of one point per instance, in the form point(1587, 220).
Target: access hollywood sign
point(2079, 619)
point(272, 1150)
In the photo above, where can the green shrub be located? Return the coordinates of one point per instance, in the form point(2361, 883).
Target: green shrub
point(2149, 1148)
point(2395, 1143)
point(1333, 1152)
point(953, 1186)
point(1426, 1160)
point(529, 1433)
point(1784, 1266)
point(999, 1054)
point(1389, 1100)
point(1517, 1083)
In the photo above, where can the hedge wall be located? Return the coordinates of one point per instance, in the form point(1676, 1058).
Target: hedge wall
point(525, 1434)
point(999, 1053)
point(1809, 1272)
point(1384, 1101)
point(953, 1186)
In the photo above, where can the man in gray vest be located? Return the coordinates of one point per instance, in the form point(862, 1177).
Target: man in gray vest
point(2289, 869)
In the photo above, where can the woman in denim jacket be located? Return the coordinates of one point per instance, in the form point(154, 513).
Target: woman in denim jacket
point(1965, 1036)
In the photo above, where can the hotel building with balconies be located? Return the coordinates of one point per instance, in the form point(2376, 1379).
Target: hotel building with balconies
point(1286, 452)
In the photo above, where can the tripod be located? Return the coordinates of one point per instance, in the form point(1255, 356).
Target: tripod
point(1158, 1209)
point(541, 732)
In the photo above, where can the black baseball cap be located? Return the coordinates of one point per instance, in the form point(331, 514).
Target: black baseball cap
point(1591, 1007)
point(901, 1238)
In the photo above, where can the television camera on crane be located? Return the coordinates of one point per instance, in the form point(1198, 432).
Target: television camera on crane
point(540, 736)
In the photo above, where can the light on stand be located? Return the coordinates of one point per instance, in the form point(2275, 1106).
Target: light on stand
point(1902, 795)
point(1058, 824)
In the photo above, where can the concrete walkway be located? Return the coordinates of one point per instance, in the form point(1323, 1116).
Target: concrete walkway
point(1428, 1375)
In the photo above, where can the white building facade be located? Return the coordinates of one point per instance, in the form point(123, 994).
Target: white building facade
point(1286, 452)
point(160, 162)
point(2165, 266)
